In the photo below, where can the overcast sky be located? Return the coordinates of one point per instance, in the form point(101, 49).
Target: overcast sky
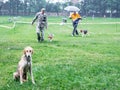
point(53, 1)
point(46, 0)
point(3, 0)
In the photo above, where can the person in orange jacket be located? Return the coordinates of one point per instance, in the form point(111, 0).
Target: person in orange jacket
point(75, 20)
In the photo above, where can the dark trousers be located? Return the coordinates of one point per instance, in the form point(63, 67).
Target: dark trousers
point(38, 37)
point(40, 33)
point(75, 29)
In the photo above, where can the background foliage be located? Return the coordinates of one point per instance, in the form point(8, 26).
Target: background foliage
point(87, 7)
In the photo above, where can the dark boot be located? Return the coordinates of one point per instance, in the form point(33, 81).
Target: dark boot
point(38, 37)
point(42, 39)
point(73, 33)
point(77, 32)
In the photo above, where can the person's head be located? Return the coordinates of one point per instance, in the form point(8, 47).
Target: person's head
point(74, 12)
point(43, 10)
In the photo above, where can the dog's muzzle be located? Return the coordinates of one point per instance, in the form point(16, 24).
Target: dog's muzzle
point(28, 58)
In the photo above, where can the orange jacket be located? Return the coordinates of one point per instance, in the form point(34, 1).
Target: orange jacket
point(75, 16)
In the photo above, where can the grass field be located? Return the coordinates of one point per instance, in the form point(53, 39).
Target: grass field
point(66, 63)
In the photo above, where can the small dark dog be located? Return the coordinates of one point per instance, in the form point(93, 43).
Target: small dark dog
point(84, 32)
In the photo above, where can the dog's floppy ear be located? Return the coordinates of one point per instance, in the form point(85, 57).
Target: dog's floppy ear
point(24, 51)
point(32, 51)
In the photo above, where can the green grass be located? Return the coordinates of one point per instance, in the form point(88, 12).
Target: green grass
point(66, 63)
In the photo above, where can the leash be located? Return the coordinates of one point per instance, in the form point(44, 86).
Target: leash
point(8, 27)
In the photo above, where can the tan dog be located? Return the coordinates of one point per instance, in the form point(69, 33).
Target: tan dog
point(50, 37)
point(24, 65)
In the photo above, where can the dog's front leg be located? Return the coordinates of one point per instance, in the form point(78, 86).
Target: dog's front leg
point(21, 75)
point(31, 74)
point(82, 34)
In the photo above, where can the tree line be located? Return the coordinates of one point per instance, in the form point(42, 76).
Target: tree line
point(109, 8)
point(101, 7)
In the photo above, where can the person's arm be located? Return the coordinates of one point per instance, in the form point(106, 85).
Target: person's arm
point(46, 24)
point(36, 16)
point(70, 17)
point(79, 17)
point(45, 20)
